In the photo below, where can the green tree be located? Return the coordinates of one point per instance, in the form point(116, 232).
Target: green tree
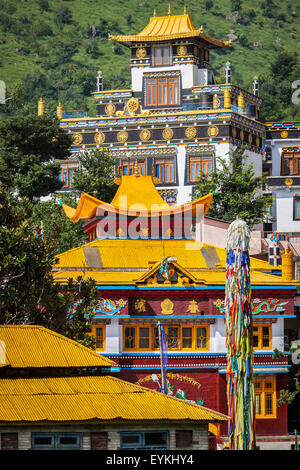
point(237, 190)
point(95, 175)
point(28, 293)
point(29, 146)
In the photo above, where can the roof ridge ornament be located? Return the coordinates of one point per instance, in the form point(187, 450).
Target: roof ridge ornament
point(154, 13)
point(169, 10)
point(184, 10)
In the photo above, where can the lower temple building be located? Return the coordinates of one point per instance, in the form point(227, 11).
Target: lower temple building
point(56, 394)
point(151, 268)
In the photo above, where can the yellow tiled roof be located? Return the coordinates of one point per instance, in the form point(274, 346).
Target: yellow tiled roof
point(123, 261)
point(36, 346)
point(136, 194)
point(163, 28)
point(92, 398)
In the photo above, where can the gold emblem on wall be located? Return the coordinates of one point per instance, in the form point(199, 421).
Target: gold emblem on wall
point(110, 109)
point(181, 50)
point(99, 137)
point(167, 133)
point(213, 131)
point(257, 141)
point(242, 135)
point(193, 307)
point(167, 307)
point(234, 132)
point(250, 138)
point(284, 134)
point(77, 139)
point(122, 136)
point(141, 52)
point(132, 105)
point(191, 132)
point(145, 135)
point(196, 51)
point(140, 305)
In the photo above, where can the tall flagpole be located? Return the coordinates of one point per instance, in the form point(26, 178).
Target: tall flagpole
point(163, 358)
point(239, 339)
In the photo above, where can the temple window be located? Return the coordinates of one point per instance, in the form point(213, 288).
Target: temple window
point(161, 55)
point(164, 170)
point(290, 164)
point(178, 338)
point(99, 334)
point(265, 397)
point(162, 91)
point(262, 336)
point(144, 440)
point(66, 175)
point(127, 168)
point(200, 166)
point(296, 202)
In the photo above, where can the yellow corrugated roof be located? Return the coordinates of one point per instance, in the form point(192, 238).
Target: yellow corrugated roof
point(162, 28)
point(126, 261)
point(92, 398)
point(36, 346)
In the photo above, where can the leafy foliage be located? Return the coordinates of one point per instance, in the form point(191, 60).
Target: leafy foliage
point(29, 146)
point(28, 294)
point(240, 190)
point(95, 175)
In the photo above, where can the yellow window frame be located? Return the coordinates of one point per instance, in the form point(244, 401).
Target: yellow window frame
point(265, 397)
point(94, 333)
point(259, 334)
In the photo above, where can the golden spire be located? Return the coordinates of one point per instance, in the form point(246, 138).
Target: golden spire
point(154, 13)
point(59, 111)
point(169, 11)
point(136, 169)
point(184, 10)
point(41, 107)
point(227, 98)
point(241, 101)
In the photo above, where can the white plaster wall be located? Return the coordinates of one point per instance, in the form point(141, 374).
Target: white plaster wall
point(284, 211)
point(113, 337)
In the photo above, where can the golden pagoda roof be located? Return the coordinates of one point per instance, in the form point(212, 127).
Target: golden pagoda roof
point(35, 346)
point(93, 398)
point(165, 28)
point(131, 262)
point(136, 195)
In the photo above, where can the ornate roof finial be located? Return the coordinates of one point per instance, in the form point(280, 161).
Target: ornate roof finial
point(136, 168)
point(184, 10)
point(169, 11)
point(154, 12)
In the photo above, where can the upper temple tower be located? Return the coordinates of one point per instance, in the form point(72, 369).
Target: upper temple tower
point(169, 57)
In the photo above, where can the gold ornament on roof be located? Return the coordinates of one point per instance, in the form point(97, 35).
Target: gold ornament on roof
point(99, 137)
point(191, 132)
point(213, 131)
point(145, 135)
point(132, 105)
point(167, 307)
point(41, 107)
point(110, 109)
point(122, 136)
point(167, 133)
point(284, 134)
point(77, 139)
point(141, 52)
point(181, 50)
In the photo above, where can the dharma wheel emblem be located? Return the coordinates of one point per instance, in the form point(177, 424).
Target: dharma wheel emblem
point(167, 133)
point(122, 136)
point(213, 131)
point(77, 139)
point(141, 52)
point(284, 134)
point(110, 109)
point(145, 135)
point(99, 137)
point(181, 50)
point(167, 307)
point(132, 105)
point(191, 132)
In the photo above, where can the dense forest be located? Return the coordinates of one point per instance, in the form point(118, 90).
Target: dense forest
point(54, 48)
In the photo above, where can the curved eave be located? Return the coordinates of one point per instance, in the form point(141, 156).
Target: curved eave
point(88, 205)
point(128, 40)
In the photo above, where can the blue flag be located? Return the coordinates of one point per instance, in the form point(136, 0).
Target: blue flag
point(163, 358)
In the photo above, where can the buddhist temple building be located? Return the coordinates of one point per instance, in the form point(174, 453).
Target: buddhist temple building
point(151, 266)
point(55, 394)
point(174, 119)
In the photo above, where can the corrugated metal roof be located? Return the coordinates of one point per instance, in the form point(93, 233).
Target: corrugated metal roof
point(92, 397)
point(36, 346)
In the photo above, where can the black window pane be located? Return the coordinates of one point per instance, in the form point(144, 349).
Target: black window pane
point(155, 438)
